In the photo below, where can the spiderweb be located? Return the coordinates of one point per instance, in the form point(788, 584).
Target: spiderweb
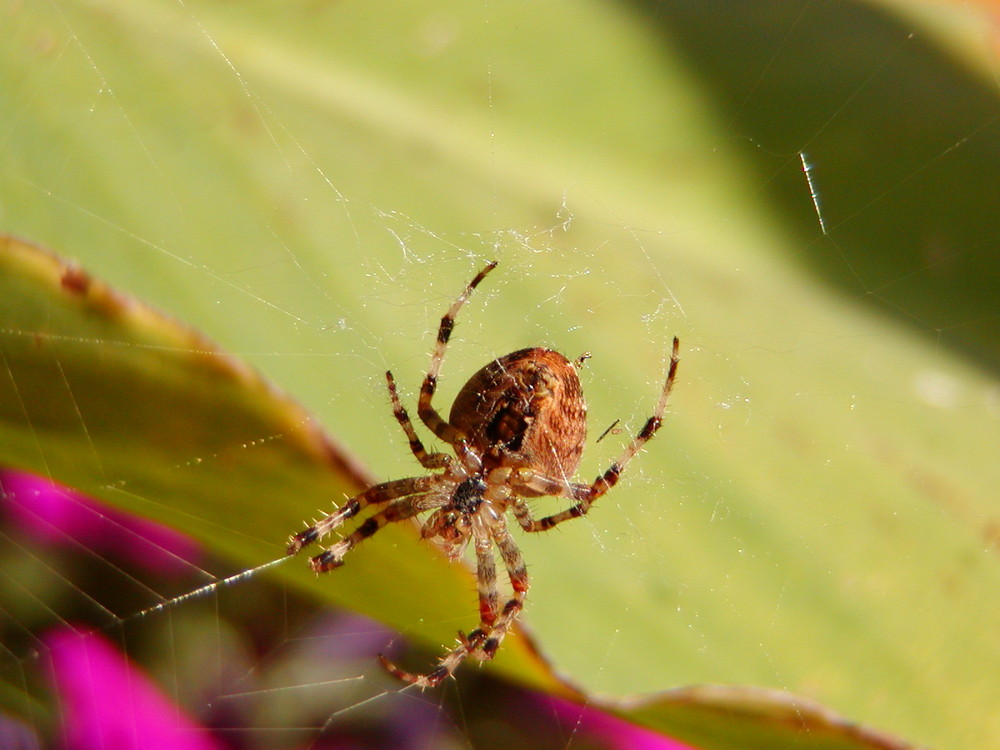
point(311, 185)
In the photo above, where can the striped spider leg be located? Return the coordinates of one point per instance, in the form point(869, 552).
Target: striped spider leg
point(517, 429)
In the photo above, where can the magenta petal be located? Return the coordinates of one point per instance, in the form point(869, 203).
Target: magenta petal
point(53, 514)
point(108, 704)
point(614, 732)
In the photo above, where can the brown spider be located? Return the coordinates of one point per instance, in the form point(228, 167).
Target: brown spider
point(517, 428)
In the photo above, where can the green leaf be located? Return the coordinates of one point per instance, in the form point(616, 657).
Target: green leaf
point(100, 391)
point(312, 185)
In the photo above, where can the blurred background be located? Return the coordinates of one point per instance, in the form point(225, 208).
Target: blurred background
point(799, 190)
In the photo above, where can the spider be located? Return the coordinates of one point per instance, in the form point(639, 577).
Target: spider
point(517, 428)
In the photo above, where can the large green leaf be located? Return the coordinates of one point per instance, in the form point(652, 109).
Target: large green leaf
point(99, 385)
point(102, 392)
point(311, 185)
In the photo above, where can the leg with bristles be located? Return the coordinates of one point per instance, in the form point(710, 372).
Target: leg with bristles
point(518, 575)
point(486, 577)
point(380, 493)
point(483, 642)
point(428, 414)
point(427, 460)
point(526, 482)
point(399, 510)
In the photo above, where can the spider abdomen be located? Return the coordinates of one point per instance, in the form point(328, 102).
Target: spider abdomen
point(525, 409)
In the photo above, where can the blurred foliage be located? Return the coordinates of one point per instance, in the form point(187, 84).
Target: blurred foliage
point(310, 185)
point(903, 136)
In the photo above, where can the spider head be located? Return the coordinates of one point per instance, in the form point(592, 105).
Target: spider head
point(450, 526)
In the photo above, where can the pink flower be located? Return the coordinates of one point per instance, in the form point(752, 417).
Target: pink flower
point(107, 704)
point(614, 733)
point(53, 514)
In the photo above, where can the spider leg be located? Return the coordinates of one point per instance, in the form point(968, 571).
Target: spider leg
point(427, 413)
point(586, 494)
point(399, 510)
point(486, 577)
point(427, 460)
point(523, 514)
point(518, 575)
point(483, 642)
point(380, 493)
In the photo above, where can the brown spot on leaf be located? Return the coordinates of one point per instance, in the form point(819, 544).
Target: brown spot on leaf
point(991, 534)
point(75, 280)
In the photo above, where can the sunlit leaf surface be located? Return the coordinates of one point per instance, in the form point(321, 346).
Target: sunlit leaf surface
point(310, 185)
point(98, 385)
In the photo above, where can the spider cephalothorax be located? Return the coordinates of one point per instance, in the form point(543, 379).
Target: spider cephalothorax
point(451, 526)
point(517, 428)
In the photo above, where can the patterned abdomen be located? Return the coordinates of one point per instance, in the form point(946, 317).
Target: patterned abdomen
point(525, 409)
